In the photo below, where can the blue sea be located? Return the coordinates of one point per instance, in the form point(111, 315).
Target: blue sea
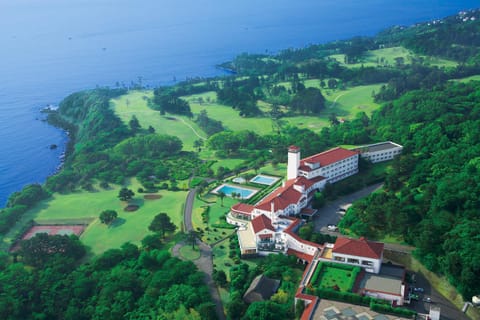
point(51, 48)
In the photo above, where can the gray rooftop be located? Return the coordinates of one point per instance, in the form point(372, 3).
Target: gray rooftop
point(387, 284)
point(378, 146)
point(261, 288)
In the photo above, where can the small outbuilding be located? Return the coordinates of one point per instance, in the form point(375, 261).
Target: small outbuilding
point(261, 288)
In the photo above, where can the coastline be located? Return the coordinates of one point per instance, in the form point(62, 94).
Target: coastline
point(242, 41)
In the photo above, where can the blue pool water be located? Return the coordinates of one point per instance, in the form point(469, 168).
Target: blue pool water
point(228, 189)
point(266, 180)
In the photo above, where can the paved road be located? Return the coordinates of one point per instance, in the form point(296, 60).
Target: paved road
point(447, 309)
point(328, 214)
point(205, 262)
point(187, 211)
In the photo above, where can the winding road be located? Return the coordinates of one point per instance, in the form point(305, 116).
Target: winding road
point(205, 262)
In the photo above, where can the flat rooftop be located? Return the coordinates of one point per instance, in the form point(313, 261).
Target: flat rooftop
point(382, 283)
point(329, 309)
point(246, 237)
point(378, 147)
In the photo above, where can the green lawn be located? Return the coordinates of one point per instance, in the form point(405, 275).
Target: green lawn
point(188, 253)
point(130, 226)
point(387, 56)
point(332, 275)
point(227, 115)
point(468, 79)
point(136, 103)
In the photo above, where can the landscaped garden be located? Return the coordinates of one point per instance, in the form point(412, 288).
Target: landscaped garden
point(334, 276)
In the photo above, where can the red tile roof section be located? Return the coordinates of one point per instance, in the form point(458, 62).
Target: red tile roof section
point(242, 208)
point(293, 148)
point(360, 247)
point(328, 157)
point(289, 231)
point(300, 255)
point(262, 222)
point(284, 196)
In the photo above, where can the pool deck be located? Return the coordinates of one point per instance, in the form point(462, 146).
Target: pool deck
point(253, 190)
point(272, 178)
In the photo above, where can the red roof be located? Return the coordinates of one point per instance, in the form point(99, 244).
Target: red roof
point(328, 157)
point(289, 231)
point(284, 196)
point(293, 148)
point(243, 208)
point(308, 211)
point(300, 255)
point(262, 222)
point(359, 247)
point(281, 197)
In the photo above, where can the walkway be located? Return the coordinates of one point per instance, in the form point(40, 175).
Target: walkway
point(205, 262)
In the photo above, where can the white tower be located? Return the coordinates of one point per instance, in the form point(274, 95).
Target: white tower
point(293, 162)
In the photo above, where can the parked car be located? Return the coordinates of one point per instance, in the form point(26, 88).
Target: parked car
point(413, 296)
point(418, 290)
point(332, 227)
point(427, 299)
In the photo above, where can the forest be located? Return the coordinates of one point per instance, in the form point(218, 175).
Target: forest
point(430, 197)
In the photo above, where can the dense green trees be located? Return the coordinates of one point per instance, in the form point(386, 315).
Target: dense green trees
point(168, 99)
point(309, 100)
point(431, 195)
point(127, 282)
point(209, 125)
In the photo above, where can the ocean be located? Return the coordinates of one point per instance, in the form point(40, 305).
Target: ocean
point(51, 48)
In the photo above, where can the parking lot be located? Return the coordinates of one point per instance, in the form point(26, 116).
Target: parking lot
point(329, 215)
point(447, 309)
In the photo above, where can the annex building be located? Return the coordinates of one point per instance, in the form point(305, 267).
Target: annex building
point(271, 225)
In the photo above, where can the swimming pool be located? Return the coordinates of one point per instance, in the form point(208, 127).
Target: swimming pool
point(263, 179)
point(245, 193)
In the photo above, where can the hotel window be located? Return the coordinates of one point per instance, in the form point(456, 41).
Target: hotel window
point(356, 261)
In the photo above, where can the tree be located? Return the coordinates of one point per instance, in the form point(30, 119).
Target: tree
point(222, 195)
point(333, 119)
point(162, 223)
point(134, 124)
point(108, 216)
point(219, 277)
point(125, 194)
point(43, 248)
point(151, 129)
point(309, 100)
point(192, 237)
point(198, 144)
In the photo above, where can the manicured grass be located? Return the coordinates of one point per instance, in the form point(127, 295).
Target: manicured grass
point(227, 115)
point(227, 163)
point(188, 253)
point(347, 103)
point(136, 103)
point(331, 276)
point(386, 57)
point(129, 226)
point(468, 79)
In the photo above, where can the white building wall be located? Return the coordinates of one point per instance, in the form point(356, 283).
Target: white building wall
point(293, 164)
point(351, 260)
point(294, 244)
point(385, 296)
point(335, 171)
point(383, 155)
